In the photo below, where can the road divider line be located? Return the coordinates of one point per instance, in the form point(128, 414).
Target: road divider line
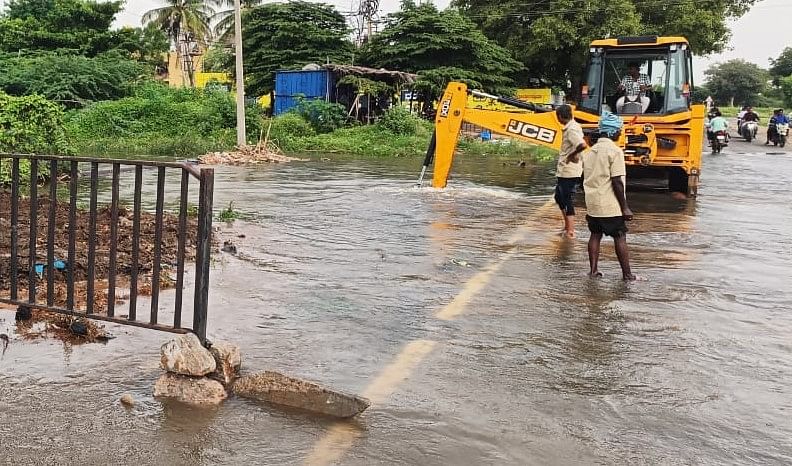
point(480, 281)
point(341, 436)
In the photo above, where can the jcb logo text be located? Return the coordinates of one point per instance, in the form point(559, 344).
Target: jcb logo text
point(531, 131)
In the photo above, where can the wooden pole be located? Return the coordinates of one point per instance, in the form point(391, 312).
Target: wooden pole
point(240, 75)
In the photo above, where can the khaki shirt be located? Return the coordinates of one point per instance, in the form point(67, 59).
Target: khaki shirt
point(602, 162)
point(572, 137)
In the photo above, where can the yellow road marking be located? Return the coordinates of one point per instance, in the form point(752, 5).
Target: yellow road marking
point(341, 436)
point(479, 281)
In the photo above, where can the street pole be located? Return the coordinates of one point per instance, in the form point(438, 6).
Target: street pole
point(240, 75)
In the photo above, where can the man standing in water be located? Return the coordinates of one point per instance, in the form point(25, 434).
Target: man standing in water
point(569, 168)
point(604, 175)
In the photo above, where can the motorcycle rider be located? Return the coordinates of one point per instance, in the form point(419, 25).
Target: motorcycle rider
point(778, 118)
point(747, 116)
point(741, 115)
point(750, 115)
point(716, 123)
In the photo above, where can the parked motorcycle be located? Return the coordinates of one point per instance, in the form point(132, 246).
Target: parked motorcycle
point(719, 141)
point(748, 130)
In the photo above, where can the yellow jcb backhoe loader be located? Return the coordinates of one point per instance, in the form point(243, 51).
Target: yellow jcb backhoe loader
point(663, 131)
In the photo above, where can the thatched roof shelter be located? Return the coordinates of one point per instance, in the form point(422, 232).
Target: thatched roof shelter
point(395, 78)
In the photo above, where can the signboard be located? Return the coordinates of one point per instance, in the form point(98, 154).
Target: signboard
point(536, 96)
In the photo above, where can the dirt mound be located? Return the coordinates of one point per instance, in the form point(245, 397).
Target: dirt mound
point(247, 155)
point(124, 265)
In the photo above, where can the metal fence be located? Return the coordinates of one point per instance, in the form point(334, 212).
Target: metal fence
point(42, 270)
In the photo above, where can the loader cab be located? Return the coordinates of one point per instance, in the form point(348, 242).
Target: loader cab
point(617, 68)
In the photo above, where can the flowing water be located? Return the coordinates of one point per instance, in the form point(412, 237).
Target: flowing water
point(466, 320)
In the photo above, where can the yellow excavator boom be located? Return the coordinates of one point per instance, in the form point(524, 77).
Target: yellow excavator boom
point(539, 127)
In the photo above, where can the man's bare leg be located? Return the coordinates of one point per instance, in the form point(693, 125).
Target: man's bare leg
point(593, 251)
point(569, 226)
point(623, 253)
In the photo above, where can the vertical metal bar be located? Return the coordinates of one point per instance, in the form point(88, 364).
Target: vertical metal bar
point(32, 238)
point(72, 236)
point(53, 205)
point(185, 183)
point(155, 277)
point(133, 279)
point(111, 279)
point(203, 253)
point(89, 307)
point(14, 228)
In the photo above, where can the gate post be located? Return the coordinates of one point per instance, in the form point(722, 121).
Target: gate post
point(203, 252)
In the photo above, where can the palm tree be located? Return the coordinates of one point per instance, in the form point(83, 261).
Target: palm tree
point(224, 20)
point(187, 24)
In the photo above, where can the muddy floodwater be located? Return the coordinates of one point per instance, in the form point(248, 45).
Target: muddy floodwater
point(465, 319)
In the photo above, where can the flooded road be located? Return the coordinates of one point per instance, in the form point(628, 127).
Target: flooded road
point(466, 320)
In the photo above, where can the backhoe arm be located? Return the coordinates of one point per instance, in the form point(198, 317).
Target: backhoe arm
point(540, 128)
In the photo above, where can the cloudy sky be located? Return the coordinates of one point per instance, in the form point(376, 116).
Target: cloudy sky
point(757, 36)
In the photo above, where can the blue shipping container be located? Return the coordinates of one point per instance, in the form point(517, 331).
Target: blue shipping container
point(290, 85)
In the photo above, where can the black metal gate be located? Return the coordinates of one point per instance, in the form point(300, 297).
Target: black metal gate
point(63, 175)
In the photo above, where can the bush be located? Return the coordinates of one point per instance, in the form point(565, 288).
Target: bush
point(288, 130)
point(324, 117)
point(29, 124)
point(159, 120)
point(399, 120)
point(70, 79)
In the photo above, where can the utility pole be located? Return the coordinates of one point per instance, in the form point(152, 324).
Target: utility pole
point(240, 75)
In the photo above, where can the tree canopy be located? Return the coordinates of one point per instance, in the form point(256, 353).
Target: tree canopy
point(782, 66)
point(78, 25)
point(736, 82)
point(72, 80)
point(551, 38)
point(288, 36)
point(441, 45)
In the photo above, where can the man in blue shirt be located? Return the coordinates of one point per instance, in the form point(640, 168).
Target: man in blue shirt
point(778, 118)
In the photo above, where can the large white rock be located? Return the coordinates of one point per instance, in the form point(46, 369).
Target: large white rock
point(289, 391)
point(192, 390)
point(186, 356)
point(228, 359)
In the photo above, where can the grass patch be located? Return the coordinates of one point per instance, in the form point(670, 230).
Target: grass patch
point(763, 112)
point(229, 214)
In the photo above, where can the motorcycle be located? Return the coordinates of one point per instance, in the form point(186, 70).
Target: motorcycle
point(748, 130)
point(780, 135)
point(719, 141)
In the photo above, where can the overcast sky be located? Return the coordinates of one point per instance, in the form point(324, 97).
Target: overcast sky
point(756, 37)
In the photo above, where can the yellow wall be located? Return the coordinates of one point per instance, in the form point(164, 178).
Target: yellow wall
point(202, 79)
point(176, 77)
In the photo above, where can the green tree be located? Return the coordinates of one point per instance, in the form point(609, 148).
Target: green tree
point(218, 59)
point(288, 36)
point(782, 66)
point(148, 45)
point(441, 45)
point(185, 22)
point(224, 19)
point(551, 38)
point(72, 80)
point(786, 87)
point(78, 25)
point(736, 82)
